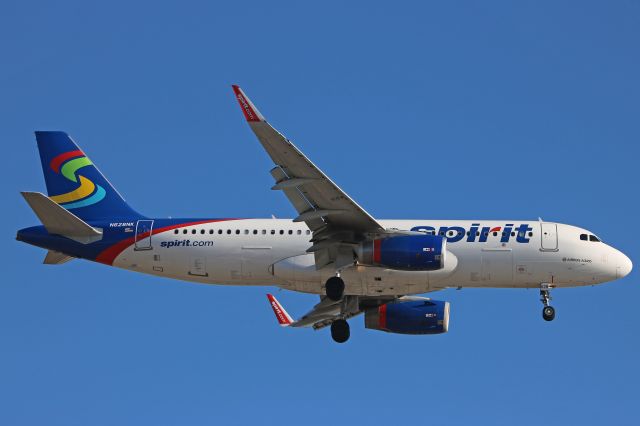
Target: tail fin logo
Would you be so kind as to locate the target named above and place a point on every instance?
(87, 193)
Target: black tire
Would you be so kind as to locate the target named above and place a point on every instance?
(548, 313)
(334, 288)
(340, 331)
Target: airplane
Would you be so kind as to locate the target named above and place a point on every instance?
(356, 263)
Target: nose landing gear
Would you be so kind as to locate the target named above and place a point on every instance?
(548, 312)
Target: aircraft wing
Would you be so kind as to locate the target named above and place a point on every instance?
(327, 311)
(336, 220)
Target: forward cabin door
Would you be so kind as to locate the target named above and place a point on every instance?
(549, 236)
(143, 235)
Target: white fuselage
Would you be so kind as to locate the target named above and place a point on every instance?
(516, 254)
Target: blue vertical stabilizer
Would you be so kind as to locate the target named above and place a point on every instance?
(75, 183)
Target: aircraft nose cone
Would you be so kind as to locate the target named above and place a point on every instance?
(624, 266)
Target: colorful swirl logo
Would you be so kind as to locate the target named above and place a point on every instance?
(87, 193)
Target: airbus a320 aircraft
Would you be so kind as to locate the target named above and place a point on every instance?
(333, 248)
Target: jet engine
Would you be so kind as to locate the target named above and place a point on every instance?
(409, 316)
(405, 252)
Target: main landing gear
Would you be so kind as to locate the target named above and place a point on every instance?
(334, 288)
(340, 330)
(548, 312)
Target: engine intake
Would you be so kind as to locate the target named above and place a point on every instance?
(412, 316)
(406, 252)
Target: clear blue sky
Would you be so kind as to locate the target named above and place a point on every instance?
(418, 110)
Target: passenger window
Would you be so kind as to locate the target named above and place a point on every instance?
(299, 232)
(308, 232)
(264, 232)
(513, 234)
(273, 232)
(281, 231)
(184, 231)
(246, 232)
(594, 238)
(237, 232)
(202, 231)
(210, 231)
(584, 237)
(193, 231)
(255, 232)
(495, 234)
(531, 234)
(228, 231)
(176, 231)
(219, 231)
(290, 232)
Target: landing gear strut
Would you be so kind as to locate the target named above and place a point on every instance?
(548, 312)
(340, 330)
(334, 288)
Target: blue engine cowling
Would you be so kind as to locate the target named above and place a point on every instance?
(411, 316)
(405, 252)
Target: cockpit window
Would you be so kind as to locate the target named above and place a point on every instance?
(584, 237)
(594, 238)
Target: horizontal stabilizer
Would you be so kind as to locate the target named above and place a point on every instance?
(58, 220)
(56, 258)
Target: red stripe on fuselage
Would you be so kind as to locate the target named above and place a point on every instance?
(57, 161)
(108, 255)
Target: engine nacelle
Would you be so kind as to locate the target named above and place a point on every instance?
(422, 316)
(405, 252)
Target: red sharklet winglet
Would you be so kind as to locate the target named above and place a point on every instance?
(282, 316)
(249, 110)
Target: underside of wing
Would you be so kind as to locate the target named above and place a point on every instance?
(421, 315)
(327, 310)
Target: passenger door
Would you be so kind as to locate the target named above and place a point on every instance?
(144, 229)
(549, 236)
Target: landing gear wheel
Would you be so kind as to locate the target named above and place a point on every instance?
(548, 313)
(340, 331)
(334, 288)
